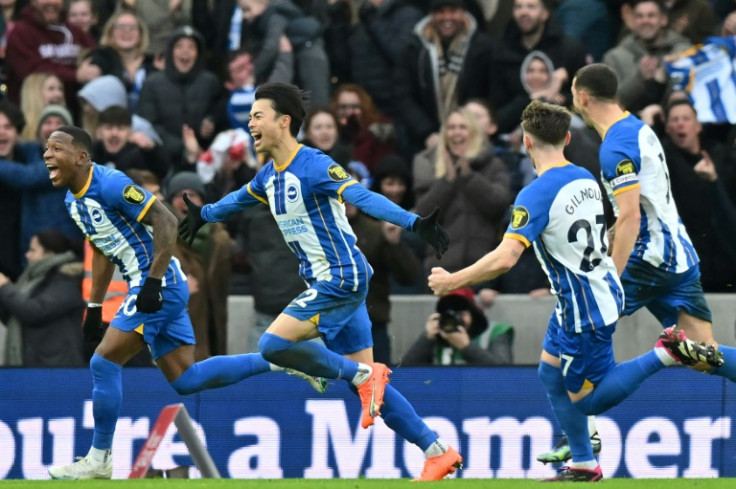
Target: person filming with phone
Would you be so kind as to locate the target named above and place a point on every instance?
(460, 334)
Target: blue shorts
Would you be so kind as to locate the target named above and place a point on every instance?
(585, 357)
(164, 330)
(665, 294)
(340, 315)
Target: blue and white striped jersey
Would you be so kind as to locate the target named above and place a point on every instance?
(108, 210)
(707, 72)
(305, 197)
(631, 156)
(561, 213)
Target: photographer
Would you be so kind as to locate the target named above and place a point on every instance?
(459, 334)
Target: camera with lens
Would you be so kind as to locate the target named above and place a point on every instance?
(450, 320)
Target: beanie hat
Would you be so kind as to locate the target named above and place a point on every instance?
(57, 110)
(186, 180)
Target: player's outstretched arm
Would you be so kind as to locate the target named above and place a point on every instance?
(164, 223)
(627, 227)
(493, 264)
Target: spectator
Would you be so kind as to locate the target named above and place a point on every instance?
(51, 118)
(361, 126)
(42, 41)
(268, 22)
(703, 181)
(533, 28)
(376, 46)
(320, 131)
(105, 92)
(446, 62)
(162, 17)
(23, 168)
(461, 176)
(38, 91)
(589, 22)
(459, 334)
(120, 148)
(694, 19)
(207, 260)
(122, 53)
(43, 308)
(82, 15)
(638, 58)
(184, 94)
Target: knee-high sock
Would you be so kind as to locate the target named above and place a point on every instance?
(400, 416)
(574, 423)
(219, 371)
(107, 397)
(620, 383)
(306, 356)
(729, 367)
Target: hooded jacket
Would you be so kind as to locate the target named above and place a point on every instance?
(169, 99)
(563, 51)
(34, 46)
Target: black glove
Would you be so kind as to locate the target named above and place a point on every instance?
(92, 329)
(431, 232)
(150, 298)
(189, 226)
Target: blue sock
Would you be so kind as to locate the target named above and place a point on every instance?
(306, 356)
(400, 416)
(573, 422)
(219, 371)
(107, 397)
(729, 367)
(620, 382)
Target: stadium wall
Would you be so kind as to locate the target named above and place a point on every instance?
(634, 336)
(680, 424)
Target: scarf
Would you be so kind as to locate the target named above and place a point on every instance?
(26, 284)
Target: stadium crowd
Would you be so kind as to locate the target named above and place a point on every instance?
(419, 100)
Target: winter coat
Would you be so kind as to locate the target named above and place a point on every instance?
(376, 46)
(131, 155)
(170, 99)
(472, 206)
(417, 88)
(634, 91)
(50, 315)
(110, 63)
(34, 46)
(563, 51)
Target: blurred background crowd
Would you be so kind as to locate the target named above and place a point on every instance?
(419, 100)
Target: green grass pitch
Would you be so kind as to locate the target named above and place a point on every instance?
(362, 484)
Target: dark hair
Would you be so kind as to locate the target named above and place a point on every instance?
(486, 104)
(599, 80)
(659, 3)
(676, 103)
(286, 99)
(79, 137)
(315, 111)
(394, 166)
(143, 177)
(14, 114)
(115, 116)
(54, 241)
(545, 122)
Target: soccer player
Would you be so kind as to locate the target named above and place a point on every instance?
(304, 188)
(652, 251)
(561, 212)
(128, 227)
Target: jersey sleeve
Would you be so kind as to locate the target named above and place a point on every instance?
(329, 178)
(123, 195)
(529, 215)
(249, 195)
(620, 167)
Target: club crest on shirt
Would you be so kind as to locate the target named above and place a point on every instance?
(625, 167)
(133, 195)
(337, 173)
(519, 217)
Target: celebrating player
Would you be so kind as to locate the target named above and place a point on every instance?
(304, 189)
(651, 248)
(561, 212)
(130, 228)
